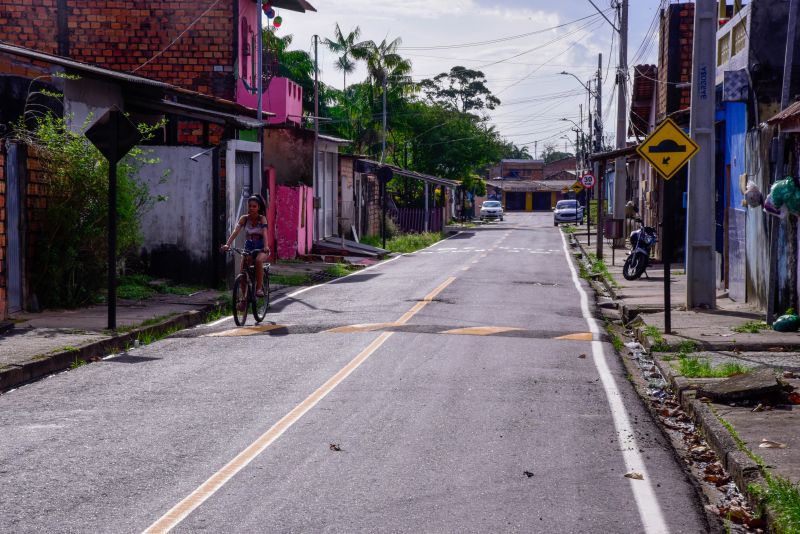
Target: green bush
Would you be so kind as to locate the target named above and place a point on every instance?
(70, 255)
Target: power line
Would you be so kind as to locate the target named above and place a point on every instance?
(189, 27)
(499, 39)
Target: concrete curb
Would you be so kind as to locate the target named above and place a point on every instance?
(17, 375)
(715, 346)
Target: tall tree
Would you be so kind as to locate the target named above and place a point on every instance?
(385, 68)
(343, 45)
(461, 89)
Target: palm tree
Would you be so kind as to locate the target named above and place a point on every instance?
(384, 67)
(343, 45)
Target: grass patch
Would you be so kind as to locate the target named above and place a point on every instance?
(659, 344)
(780, 495)
(405, 243)
(567, 229)
(147, 338)
(223, 309)
(600, 267)
(751, 327)
(616, 341)
(289, 279)
(692, 367)
(77, 363)
(142, 286)
(340, 269)
(784, 498)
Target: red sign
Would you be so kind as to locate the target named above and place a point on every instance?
(588, 181)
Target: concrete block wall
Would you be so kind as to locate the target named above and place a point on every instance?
(125, 34)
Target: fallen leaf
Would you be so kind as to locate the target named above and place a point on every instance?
(634, 475)
(527, 474)
(704, 399)
(794, 398)
(335, 447)
(759, 408)
(789, 374)
(582, 356)
(767, 444)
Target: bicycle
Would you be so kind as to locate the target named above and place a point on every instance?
(244, 289)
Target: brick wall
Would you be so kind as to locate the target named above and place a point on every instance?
(125, 34)
(674, 59)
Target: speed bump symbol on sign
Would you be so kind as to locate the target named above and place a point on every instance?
(668, 149)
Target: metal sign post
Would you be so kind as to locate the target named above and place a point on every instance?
(114, 136)
(588, 182)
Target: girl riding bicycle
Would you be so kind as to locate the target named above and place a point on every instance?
(255, 228)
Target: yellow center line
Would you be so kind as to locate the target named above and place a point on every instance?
(181, 510)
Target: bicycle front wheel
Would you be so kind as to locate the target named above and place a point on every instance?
(261, 304)
(240, 299)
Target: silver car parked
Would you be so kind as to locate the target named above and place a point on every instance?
(492, 209)
(568, 211)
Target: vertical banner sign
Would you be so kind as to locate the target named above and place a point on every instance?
(114, 135)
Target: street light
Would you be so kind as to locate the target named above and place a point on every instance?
(585, 85)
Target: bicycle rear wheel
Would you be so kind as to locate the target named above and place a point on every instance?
(261, 304)
(240, 299)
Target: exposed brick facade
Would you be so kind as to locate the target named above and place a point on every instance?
(124, 35)
(675, 59)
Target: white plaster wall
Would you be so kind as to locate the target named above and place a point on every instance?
(184, 219)
(85, 97)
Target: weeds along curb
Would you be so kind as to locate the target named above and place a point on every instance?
(596, 279)
(742, 469)
(17, 375)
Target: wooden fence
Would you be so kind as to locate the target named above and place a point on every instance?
(412, 220)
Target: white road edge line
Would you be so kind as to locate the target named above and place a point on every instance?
(291, 295)
(646, 501)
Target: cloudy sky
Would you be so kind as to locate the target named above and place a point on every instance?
(523, 46)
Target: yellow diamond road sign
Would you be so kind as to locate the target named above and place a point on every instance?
(668, 149)
(577, 187)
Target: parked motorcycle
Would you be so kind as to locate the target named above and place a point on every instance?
(642, 240)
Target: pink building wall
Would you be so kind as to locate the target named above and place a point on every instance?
(294, 220)
(247, 55)
(284, 98)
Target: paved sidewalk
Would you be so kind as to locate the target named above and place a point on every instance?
(42, 343)
(709, 335)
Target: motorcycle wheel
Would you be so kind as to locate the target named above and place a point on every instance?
(634, 266)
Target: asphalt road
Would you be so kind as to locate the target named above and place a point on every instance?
(428, 394)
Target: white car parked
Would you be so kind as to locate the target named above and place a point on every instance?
(568, 211)
(492, 209)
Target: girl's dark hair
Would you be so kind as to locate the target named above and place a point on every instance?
(257, 199)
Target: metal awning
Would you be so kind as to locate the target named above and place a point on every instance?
(199, 113)
(293, 5)
(370, 166)
(613, 154)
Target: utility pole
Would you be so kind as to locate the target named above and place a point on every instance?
(701, 287)
(598, 147)
(620, 170)
(317, 187)
(260, 81)
(383, 142)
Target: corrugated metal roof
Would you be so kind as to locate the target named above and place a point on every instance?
(373, 166)
(100, 72)
(791, 112)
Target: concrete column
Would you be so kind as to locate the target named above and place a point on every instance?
(700, 231)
